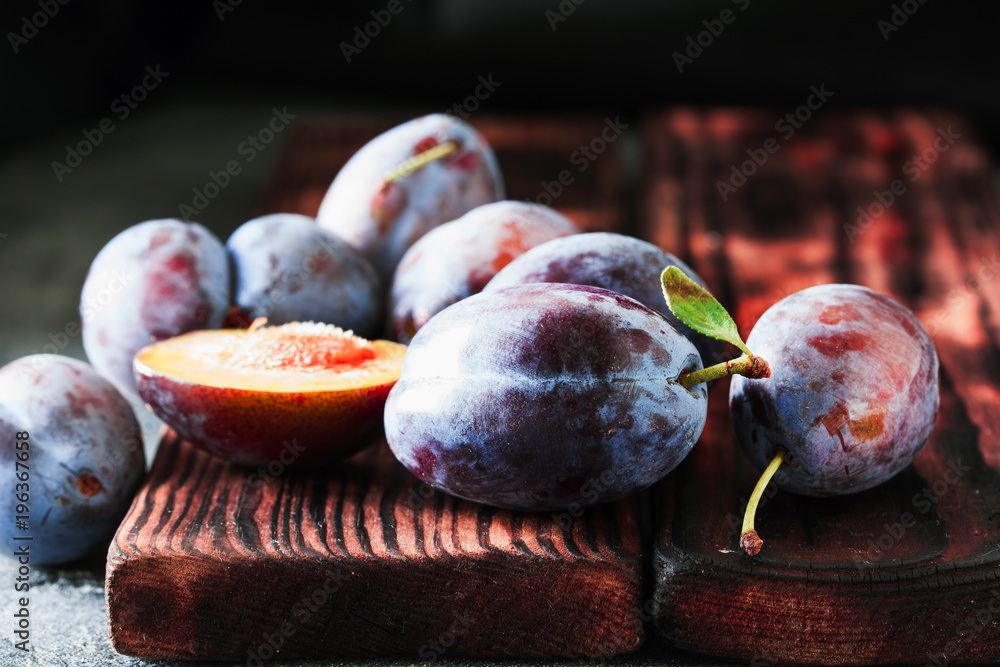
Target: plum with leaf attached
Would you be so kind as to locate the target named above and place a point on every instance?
(852, 399)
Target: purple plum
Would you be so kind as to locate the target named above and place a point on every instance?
(622, 264)
(382, 217)
(457, 259)
(289, 269)
(72, 456)
(853, 392)
(545, 397)
(155, 280)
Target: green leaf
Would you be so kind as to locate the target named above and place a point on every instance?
(696, 307)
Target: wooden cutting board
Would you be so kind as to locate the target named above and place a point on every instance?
(218, 561)
(209, 564)
(905, 572)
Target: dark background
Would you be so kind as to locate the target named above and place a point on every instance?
(608, 55)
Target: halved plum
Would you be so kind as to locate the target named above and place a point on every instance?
(301, 394)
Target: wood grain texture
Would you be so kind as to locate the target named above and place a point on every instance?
(905, 572)
(532, 153)
(218, 561)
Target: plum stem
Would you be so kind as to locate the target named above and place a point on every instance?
(421, 160)
(748, 365)
(749, 540)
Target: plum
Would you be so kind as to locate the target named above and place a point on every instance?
(82, 463)
(154, 280)
(611, 261)
(289, 269)
(545, 397)
(457, 259)
(405, 182)
(853, 395)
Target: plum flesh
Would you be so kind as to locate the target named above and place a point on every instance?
(611, 261)
(85, 456)
(853, 392)
(457, 259)
(542, 396)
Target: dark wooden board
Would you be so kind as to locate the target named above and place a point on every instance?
(210, 563)
(887, 575)
(360, 560)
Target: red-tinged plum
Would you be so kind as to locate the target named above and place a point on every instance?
(457, 259)
(544, 397)
(154, 280)
(852, 397)
(72, 457)
(407, 181)
(288, 269)
(622, 264)
(301, 394)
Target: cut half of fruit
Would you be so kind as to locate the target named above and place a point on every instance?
(291, 396)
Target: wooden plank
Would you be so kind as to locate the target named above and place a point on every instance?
(219, 561)
(840, 581)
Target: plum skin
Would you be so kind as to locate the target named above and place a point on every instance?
(853, 392)
(457, 259)
(86, 456)
(382, 221)
(522, 398)
(154, 280)
(289, 269)
(616, 262)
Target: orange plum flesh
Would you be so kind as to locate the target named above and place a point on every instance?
(292, 396)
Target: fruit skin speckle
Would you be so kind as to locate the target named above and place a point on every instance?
(522, 397)
(383, 222)
(853, 392)
(153, 281)
(457, 259)
(85, 460)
